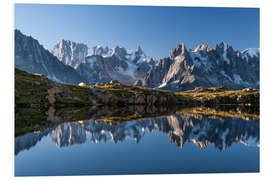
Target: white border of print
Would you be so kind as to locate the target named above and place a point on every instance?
(7, 83)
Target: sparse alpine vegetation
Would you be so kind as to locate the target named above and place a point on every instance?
(35, 90)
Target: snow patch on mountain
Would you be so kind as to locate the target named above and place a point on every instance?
(225, 48)
(129, 71)
(103, 63)
(205, 66)
(200, 61)
(250, 141)
(250, 52)
(163, 85)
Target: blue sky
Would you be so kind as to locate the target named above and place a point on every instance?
(156, 29)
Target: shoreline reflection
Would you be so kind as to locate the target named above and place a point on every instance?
(181, 128)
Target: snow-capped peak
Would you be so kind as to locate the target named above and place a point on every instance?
(201, 47)
(251, 52)
(99, 50)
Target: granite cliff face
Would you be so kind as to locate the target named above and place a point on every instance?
(34, 58)
(184, 69)
(204, 66)
(103, 64)
(70, 53)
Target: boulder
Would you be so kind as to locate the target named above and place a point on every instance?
(114, 82)
(140, 100)
(151, 99)
(163, 100)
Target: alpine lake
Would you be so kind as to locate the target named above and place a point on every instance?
(136, 140)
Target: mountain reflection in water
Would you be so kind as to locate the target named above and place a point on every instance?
(181, 128)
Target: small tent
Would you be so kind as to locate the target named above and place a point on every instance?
(82, 84)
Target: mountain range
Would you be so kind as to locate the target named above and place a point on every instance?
(34, 58)
(204, 66)
(183, 69)
(180, 128)
(103, 64)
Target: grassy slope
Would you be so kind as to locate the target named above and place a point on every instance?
(38, 90)
(34, 89)
(213, 97)
(30, 88)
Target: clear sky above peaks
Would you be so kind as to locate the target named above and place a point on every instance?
(156, 29)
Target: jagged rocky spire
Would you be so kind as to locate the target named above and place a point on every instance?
(205, 67)
(201, 47)
(179, 50)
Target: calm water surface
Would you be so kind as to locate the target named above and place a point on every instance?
(170, 144)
